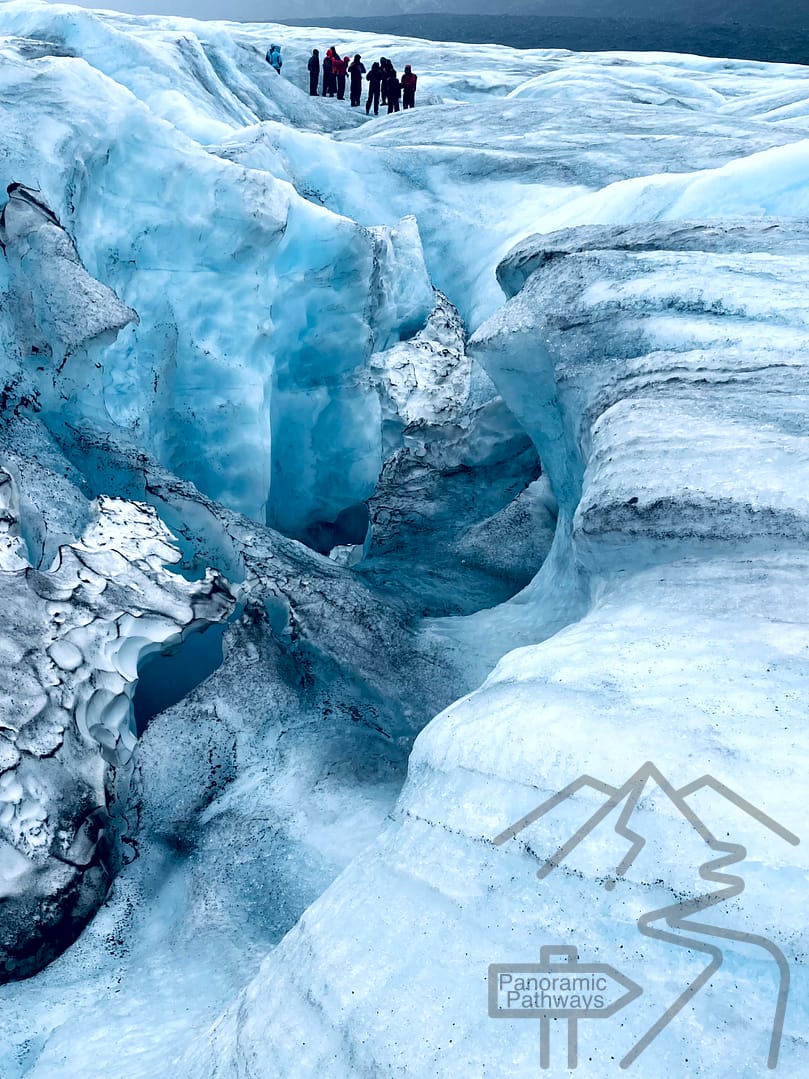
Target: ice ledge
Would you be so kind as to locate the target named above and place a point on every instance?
(52, 292)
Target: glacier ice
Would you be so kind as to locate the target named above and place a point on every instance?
(203, 220)
(524, 371)
(695, 569)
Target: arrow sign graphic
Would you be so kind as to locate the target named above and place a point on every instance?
(558, 988)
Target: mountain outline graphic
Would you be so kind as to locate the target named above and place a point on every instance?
(677, 918)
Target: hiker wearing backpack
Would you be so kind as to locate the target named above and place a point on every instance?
(273, 57)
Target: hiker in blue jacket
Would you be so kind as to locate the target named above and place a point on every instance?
(274, 57)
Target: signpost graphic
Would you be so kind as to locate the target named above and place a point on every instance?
(558, 987)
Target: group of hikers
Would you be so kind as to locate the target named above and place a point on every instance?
(384, 85)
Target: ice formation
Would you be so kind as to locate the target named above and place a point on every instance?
(66, 751)
(476, 437)
(657, 345)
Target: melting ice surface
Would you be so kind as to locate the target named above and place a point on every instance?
(550, 328)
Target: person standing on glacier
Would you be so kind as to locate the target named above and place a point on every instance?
(375, 79)
(328, 76)
(314, 72)
(409, 81)
(273, 57)
(393, 90)
(386, 65)
(339, 67)
(356, 70)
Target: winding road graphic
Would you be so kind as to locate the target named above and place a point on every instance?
(675, 923)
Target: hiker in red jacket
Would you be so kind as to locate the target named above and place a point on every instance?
(409, 81)
(339, 67)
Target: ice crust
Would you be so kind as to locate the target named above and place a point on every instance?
(557, 310)
(67, 737)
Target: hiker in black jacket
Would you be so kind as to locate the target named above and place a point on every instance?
(386, 66)
(329, 81)
(314, 72)
(356, 70)
(374, 78)
(393, 90)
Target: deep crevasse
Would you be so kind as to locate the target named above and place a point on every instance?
(665, 398)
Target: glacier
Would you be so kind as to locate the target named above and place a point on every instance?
(363, 485)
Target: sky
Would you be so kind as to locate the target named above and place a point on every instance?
(770, 13)
(244, 10)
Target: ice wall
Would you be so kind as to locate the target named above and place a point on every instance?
(669, 404)
(245, 373)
